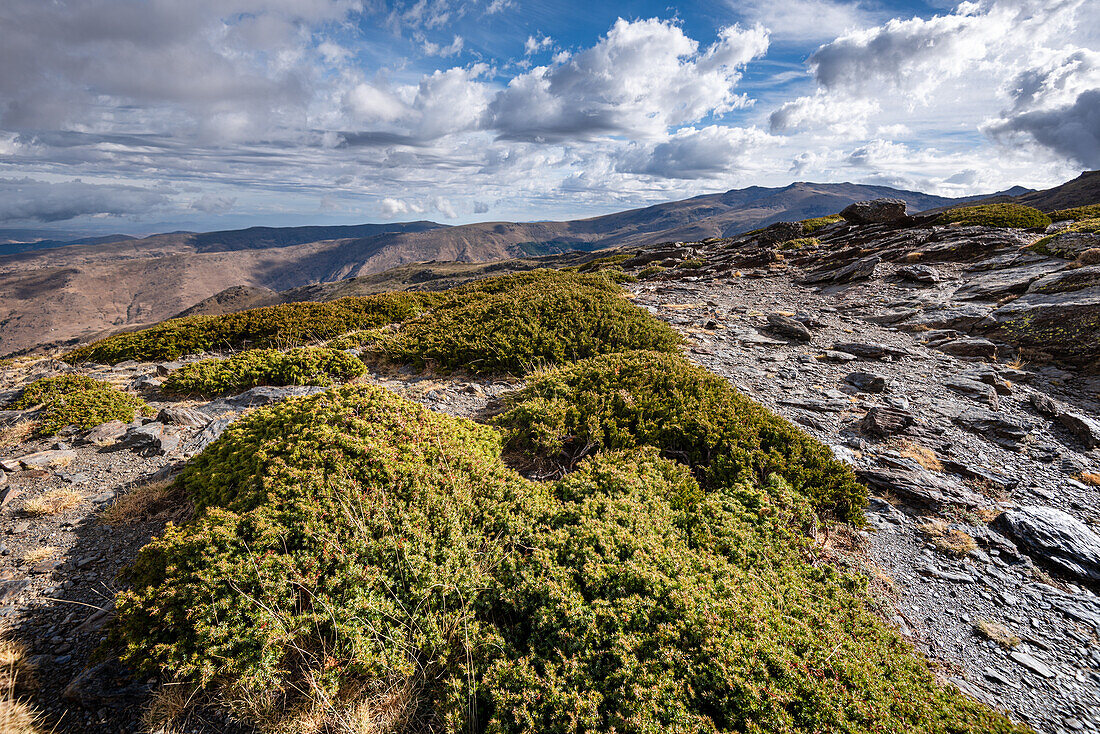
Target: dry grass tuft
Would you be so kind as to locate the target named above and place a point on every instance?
(52, 502)
(40, 554)
(1017, 363)
(997, 632)
(955, 542)
(987, 514)
(923, 455)
(159, 500)
(16, 716)
(17, 433)
(1090, 478)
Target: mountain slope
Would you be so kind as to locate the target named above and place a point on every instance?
(73, 292)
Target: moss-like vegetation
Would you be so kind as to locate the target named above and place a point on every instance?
(301, 366)
(810, 226)
(1092, 211)
(651, 270)
(1049, 245)
(799, 243)
(603, 263)
(515, 322)
(643, 398)
(77, 400)
(691, 263)
(285, 325)
(354, 554)
(996, 215)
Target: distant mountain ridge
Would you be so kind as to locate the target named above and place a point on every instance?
(73, 292)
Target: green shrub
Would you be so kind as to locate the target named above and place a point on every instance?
(285, 325)
(645, 605)
(341, 543)
(301, 366)
(812, 225)
(516, 321)
(1092, 211)
(996, 215)
(356, 554)
(651, 270)
(799, 243)
(602, 263)
(355, 339)
(692, 264)
(1049, 245)
(77, 400)
(622, 401)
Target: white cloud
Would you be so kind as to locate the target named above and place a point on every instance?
(836, 113)
(641, 78)
(534, 45)
(434, 49)
(1072, 130)
(692, 154)
(806, 20)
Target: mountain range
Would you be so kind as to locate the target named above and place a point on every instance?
(58, 294)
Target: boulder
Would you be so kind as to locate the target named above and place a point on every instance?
(974, 389)
(861, 269)
(47, 459)
(1056, 537)
(1044, 405)
(921, 274)
(1086, 429)
(788, 327)
(152, 439)
(877, 211)
(184, 417)
(911, 481)
(265, 395)
(780, 232)
(1066, 281)
(976, 348)
(882, 422)
(106, 434)
(210, 433)
(1009, 281)
(997, 428)
(866, 350)
(1063, 325)
(866, 382)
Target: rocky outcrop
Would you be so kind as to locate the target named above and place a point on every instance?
(1056, 537)
(877, 211)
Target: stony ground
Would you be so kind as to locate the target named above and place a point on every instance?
(959, 438)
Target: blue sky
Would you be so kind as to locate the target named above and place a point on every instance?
(146, 115)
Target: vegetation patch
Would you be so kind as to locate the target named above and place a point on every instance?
(799, 243)
(812, 225)
(1092, 211)
(623, 401)
(52, 502)
(602, 263)
(356, 557)
(997, 632)
(651, 270)
(301, 366)
(78, 400)
(691, 264)
(1049, 245)
(995, 215)
(282, 326)
(516, 322)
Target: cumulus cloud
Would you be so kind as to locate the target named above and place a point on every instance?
(454, 48)
(838, 114)
(534, 45)
(30, 200)
(641, 78)
(806, 20)
(692, 153)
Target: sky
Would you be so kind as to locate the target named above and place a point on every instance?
(151, 115)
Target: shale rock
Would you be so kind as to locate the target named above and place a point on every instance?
(1056, 537)
(877, 211)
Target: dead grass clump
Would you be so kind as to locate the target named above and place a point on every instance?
(997, 632)
(923, 455)
(40, 554)
(1090, 478)
(16, 433)
(955, 542)
(158, 500)
(16, 716)
(52, 502)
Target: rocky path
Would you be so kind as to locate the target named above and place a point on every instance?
(947, 444)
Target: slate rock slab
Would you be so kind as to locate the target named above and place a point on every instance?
(265, 395)
(1056, 537)
(876, 211)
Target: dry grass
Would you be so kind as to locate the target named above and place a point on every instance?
(17, 433)
(159, 500)
(16, 716)
(955, 542)
(997, 632)
(40, 554)
(52, 502)
(1090, 478)
(923, 455)
(987, 514)
(913, 257)
(1017, 363)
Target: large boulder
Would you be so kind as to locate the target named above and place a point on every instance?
(1067, 281)
(1064, 325)
(1056, 537)
(878, 211)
